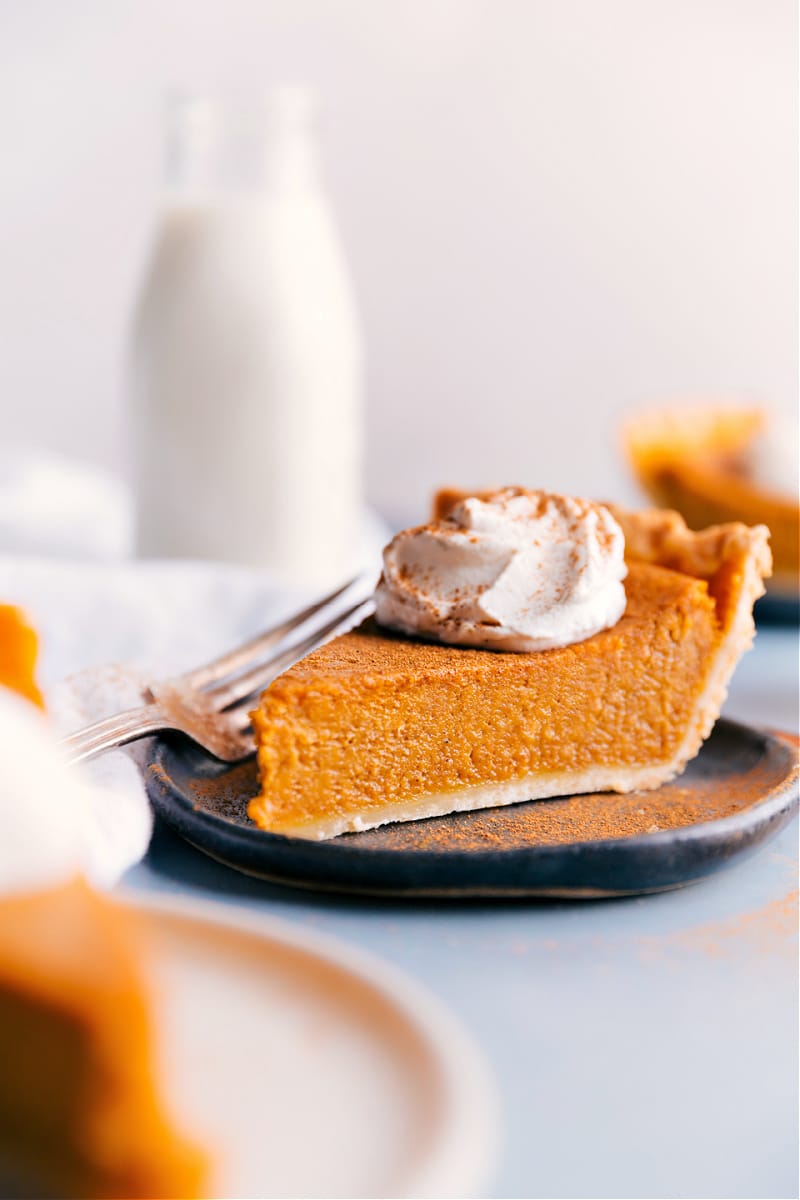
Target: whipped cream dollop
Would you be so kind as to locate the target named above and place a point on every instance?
(59, 819)
(521, 570)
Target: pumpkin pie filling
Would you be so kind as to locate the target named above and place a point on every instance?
(377, 726)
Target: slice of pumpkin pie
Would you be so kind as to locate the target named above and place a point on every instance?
(525, 645)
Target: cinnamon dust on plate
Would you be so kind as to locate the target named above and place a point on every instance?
(593, 817)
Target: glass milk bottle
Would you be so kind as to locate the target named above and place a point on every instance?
(247, 367)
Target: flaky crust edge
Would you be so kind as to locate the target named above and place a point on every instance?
(735, 560)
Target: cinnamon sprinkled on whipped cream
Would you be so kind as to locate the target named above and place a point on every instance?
(519, 570)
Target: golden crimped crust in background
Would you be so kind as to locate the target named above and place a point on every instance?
(695, 460)
(666, 434)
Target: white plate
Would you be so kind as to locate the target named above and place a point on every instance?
(309, 1068)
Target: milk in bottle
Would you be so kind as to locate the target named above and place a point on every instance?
(247, 366)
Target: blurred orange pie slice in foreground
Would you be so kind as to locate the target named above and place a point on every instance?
(81, 1113)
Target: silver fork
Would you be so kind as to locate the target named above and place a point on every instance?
(210, 704)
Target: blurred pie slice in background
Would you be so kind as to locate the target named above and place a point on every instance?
(717, 463)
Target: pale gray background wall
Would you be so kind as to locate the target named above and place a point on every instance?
(553, 209)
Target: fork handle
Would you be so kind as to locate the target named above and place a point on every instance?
(114, 731)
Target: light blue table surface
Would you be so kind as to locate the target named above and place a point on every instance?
(644, 1047)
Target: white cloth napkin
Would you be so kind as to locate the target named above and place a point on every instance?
(105, 628)
(53, 505)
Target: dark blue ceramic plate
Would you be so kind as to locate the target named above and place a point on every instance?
(738, 792)
(777, 609)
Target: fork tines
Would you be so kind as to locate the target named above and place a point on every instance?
(249, 667)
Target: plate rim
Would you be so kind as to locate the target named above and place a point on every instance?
(459, 1160)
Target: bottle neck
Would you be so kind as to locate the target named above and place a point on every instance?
(242, 146)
